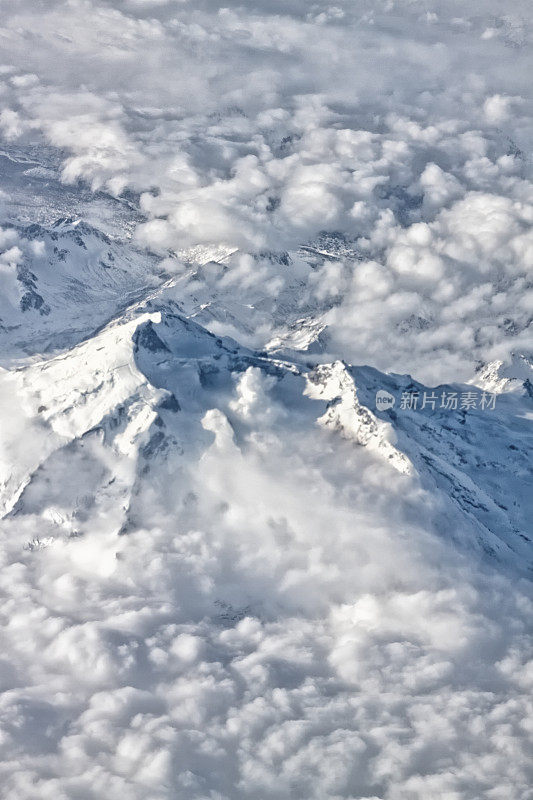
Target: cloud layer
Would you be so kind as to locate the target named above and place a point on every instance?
(401, 126)
(282, 621)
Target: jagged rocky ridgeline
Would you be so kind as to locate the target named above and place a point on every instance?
(124, 413)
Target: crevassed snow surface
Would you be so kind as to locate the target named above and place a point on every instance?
(226, 572)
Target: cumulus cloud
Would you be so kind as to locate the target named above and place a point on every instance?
(273, 638)
(449, 287)
(245, 128)
(350, 181)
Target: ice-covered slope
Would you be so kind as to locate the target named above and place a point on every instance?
(477, 457)
(140, 387)
(64, 281)
(68, 263)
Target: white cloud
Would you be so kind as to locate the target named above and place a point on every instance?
(282, 619)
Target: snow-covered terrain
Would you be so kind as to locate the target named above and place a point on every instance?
(266, 400)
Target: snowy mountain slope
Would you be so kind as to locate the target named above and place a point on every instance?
(68, 260)
(274, 307)
(68, 274)
(115, 384)
(66, 281)
(34, 192)
(265, 400)
(143, 386)
(479, 459)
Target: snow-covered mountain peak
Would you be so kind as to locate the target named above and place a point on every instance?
(266, 400)
(347, 415)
